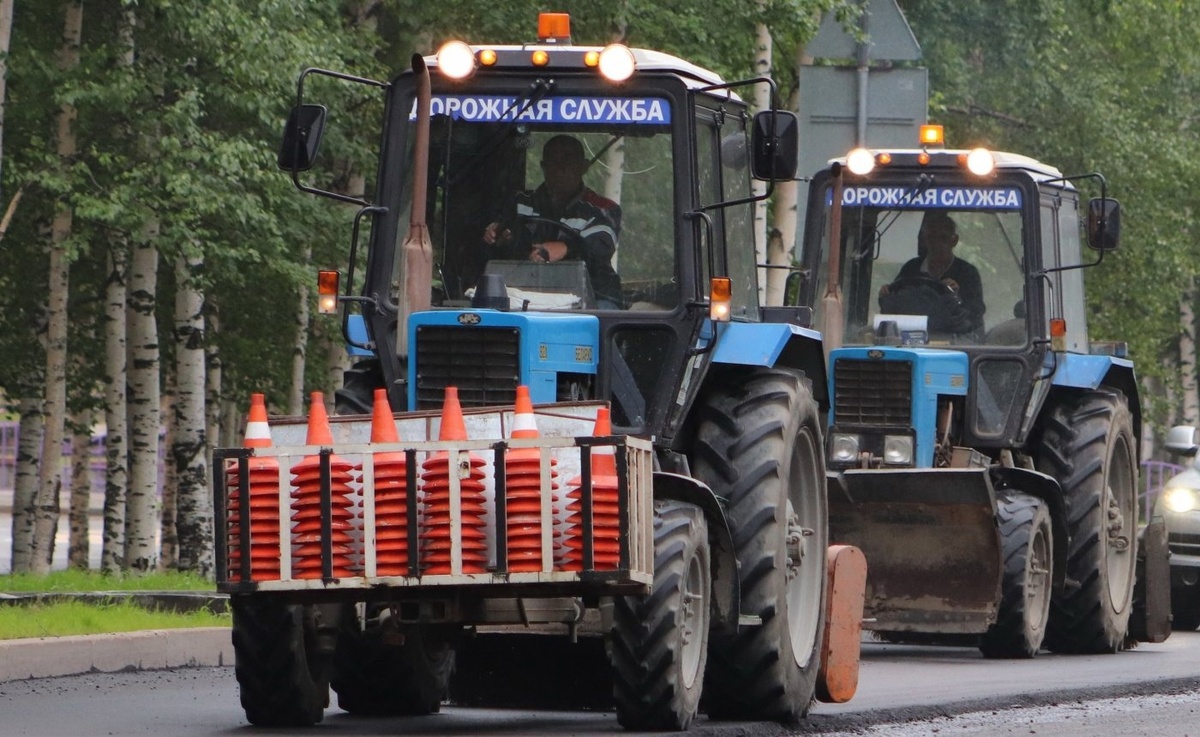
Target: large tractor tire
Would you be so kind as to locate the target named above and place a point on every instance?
(382, 671)
(1089, 447)
(1028, 546)
(758, 446)
(282, 671)
(659, 642)
(359, 382)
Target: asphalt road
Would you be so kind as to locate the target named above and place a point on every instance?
(903, 690)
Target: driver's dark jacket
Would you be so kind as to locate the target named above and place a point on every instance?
(597, 219)
(970, 286)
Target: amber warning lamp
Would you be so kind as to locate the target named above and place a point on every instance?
(554, 28)
(720, 298)
(327, 292)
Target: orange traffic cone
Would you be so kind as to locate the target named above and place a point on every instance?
(435, 489)
(306, 504)
(391, 493)
(606, 519)
(264, 502)
(523, 492)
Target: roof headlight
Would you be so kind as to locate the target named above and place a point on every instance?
(456, 60)
(617, 63)
(980, 162)
(860, 161)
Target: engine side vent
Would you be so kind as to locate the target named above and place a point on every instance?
(484, 363)
(872, 393)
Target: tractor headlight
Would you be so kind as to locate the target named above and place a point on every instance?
(1180, 499)
(897, 450)
(843, 447)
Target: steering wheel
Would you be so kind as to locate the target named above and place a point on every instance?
(571, 234)
(920, 282)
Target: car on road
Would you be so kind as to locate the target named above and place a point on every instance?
(1179, 505)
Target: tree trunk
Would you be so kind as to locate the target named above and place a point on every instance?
(6, 21)
(168, 549)
(116, 418)
(78, 543)
(762, 101)
(141, 508)
(295, 404)
(50, 477)
(189, 449)
(25, 482)
(1187, 354)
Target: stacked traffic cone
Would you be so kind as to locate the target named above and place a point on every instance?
(606, 517)
(306, 504)
(522, 491)
(264, 502)
(391, 493)
(435, 489)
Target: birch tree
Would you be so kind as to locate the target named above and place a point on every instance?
(79, 514)
(194, 515)
(50, 477)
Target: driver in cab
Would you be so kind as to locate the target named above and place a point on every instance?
(564, 219)
(936, 261)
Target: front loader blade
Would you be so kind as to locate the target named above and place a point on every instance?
(931, 542)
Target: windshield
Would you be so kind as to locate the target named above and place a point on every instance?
(568, 198)
(937, 266)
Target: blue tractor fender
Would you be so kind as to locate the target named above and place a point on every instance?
(1079, 371)
(774, 344)
(725, 586)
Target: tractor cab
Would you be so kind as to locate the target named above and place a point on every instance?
(580, 204)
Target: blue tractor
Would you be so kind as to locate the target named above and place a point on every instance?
(981, 450)
(640, 295)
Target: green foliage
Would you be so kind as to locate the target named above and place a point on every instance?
(79, 581)
(78, 618)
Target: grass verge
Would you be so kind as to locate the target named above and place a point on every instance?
(97, 616)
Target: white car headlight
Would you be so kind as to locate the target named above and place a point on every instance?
(898, 450)
(843, 447)
(1179, 499)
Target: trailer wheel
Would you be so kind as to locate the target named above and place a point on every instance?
(658, 642)
(759, 446)
(1088, 445)
(1025, 592)
(1185, 608)
(359, 382)
(381, 671)
(281, 670)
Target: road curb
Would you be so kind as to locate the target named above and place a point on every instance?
(49, 657)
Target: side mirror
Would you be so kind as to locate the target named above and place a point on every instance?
(1104, 224)
(302, 137)
(775, 141)
(1181, 440)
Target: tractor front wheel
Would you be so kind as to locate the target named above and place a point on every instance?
(1025, 592)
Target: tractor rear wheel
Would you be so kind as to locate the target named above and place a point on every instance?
(758, 445)
(1089, 446)
(359, 382)
(658, 642)
(1025, 592)
(384, 671)
(281, 666)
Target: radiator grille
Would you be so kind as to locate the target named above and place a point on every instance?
(872, 393)
(484, 363)
(1183, 544)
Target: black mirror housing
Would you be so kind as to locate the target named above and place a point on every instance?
(302, 137)
(1104, 224)
(775, 144)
